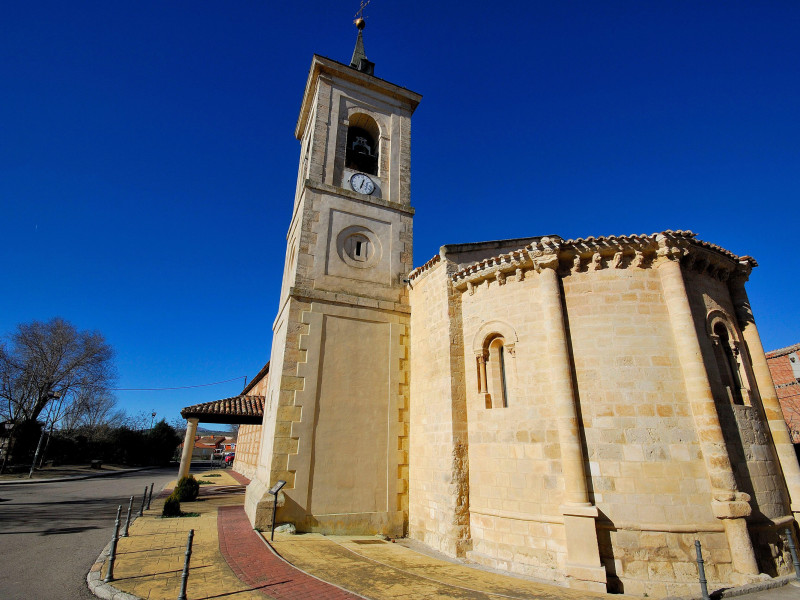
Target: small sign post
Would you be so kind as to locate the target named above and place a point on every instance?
(274, 491)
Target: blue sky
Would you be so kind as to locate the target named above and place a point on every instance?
(148, 164)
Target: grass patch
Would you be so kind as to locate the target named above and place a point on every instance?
(183, 514)
(212, 475)
(204, 482)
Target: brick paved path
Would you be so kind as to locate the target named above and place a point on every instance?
(254, 564)
(238, 477)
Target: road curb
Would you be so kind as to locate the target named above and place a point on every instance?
(74, 477)
(98, 587)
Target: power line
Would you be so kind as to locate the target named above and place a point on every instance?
(182, 387)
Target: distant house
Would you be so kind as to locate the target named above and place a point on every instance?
(784, 366)
(207, 445)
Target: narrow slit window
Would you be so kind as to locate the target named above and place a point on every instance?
(503, 376)
(496, 374)
(728, 365)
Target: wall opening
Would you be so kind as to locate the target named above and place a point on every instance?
(362, 151)
(728, 364)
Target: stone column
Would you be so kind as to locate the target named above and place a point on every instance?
(188, 447)
(728, 503)
(584, 568)
(766, 387)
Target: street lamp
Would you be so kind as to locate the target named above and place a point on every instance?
(152, 419)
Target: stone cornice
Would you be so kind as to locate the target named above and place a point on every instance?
(348, 299)
(427, 266)
(321, 64)
(607, 252)
(345, 193)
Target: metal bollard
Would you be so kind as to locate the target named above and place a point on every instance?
(793, 550)
(150, 497)
(185, 574)
(127, 519)
(702, 570)
(112, 555)
(141, 508)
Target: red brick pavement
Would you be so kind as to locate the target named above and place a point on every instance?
(239, 477)
(254, 563)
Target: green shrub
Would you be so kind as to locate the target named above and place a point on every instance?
(187, 489)
(172, 506)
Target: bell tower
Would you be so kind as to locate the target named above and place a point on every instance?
(336, 413)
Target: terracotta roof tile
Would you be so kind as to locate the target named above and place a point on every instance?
(227, 410)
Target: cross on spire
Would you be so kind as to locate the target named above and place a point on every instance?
(360, 14)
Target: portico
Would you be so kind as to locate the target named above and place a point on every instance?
(238, 410)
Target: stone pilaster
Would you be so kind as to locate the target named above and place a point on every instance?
(188, 447)
(728, 504)
(766, 387)
(584, 569)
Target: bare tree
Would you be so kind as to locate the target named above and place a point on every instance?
(52, 368)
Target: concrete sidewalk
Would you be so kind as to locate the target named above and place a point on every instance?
(231, 560)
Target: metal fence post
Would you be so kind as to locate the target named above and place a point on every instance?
(127, 519)
(701, 568)
(185, 574)
(141, 508)
(150, 497)
(793, 550)
(112, 555)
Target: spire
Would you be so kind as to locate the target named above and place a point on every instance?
(358, 54)
(359, 60)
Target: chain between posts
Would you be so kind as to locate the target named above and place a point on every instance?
(112, 555)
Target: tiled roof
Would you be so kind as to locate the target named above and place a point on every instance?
(236, 410)
(782, 351)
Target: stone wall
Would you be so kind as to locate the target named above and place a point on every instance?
(641, 394)
(645, 465)
(516, 481)
(747, 436)
(248, 442)
(438, 474)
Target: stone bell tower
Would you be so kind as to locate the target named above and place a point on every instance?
(336, 413)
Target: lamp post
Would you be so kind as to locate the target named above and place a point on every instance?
(152, 419)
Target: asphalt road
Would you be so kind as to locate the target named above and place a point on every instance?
(51, 533)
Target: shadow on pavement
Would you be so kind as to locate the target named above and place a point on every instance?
(250, 589)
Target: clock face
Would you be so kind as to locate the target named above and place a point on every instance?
(362, 184)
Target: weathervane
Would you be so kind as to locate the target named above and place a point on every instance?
(360, 18)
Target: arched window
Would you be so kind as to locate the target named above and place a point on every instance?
(494, 346)
(727, 364)
(363, 136)
(497, 380)
(730, 363)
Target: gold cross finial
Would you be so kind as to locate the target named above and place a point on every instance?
(359, 21)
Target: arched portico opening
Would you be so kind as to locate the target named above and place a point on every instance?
(238, 410)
